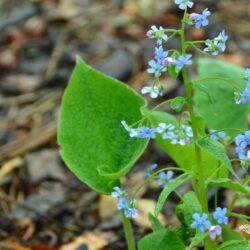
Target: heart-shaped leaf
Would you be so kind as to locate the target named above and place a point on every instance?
(94, 144)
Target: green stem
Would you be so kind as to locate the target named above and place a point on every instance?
(202, 193)
(128, 232)
(202, 190)
(145, 182)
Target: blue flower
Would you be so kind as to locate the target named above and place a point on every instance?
(131, 212)
(156, 68)
(183, 4)
(167, 131)
(118, 192)
(200, 19)
(150, 170)
(141, 132)
(220, 41)
(122, 203)
(160, 54)
(242, 142)
(217, 135)
(243, 97)
(154, 91)
(217, 45)
(165, 178)
(145, 132)
(215, 231)
(220, 215)
(201, 222)
(133, 132)
(182, 61)
(158, 33)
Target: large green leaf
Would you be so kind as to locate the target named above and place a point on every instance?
(222, 112)
(161, 240)
(94, 144)
(184, 156)
(170, 188)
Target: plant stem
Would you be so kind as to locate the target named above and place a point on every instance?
(128, 231)
(201, 192)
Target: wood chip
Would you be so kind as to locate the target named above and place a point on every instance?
(147, 206)
(93, 242)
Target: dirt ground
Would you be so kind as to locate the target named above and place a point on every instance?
(42, 204)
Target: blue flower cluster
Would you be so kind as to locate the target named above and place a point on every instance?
(181, 135)
(154, 91)
(242, 142)
(183, 4)
(217, 45)
(246, 93)
(158, 33)
(163, 60)
(130, 207)
(202, 223)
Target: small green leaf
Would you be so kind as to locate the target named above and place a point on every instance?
(198, 238)
(234, 245)
(155, 223)
(169, 188)
(227, 183)
(93, 142)
(217, 150)
(177, 103)
(223, 112)
(186, 209)
(161, 240)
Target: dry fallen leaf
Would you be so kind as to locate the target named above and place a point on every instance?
(147, 206)
(107, 206)
(93, 242)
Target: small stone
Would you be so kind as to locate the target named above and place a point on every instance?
(38, 206)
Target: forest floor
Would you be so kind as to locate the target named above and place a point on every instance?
(43, 206)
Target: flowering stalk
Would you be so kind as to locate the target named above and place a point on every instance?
(201, 192)
(128, 231)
